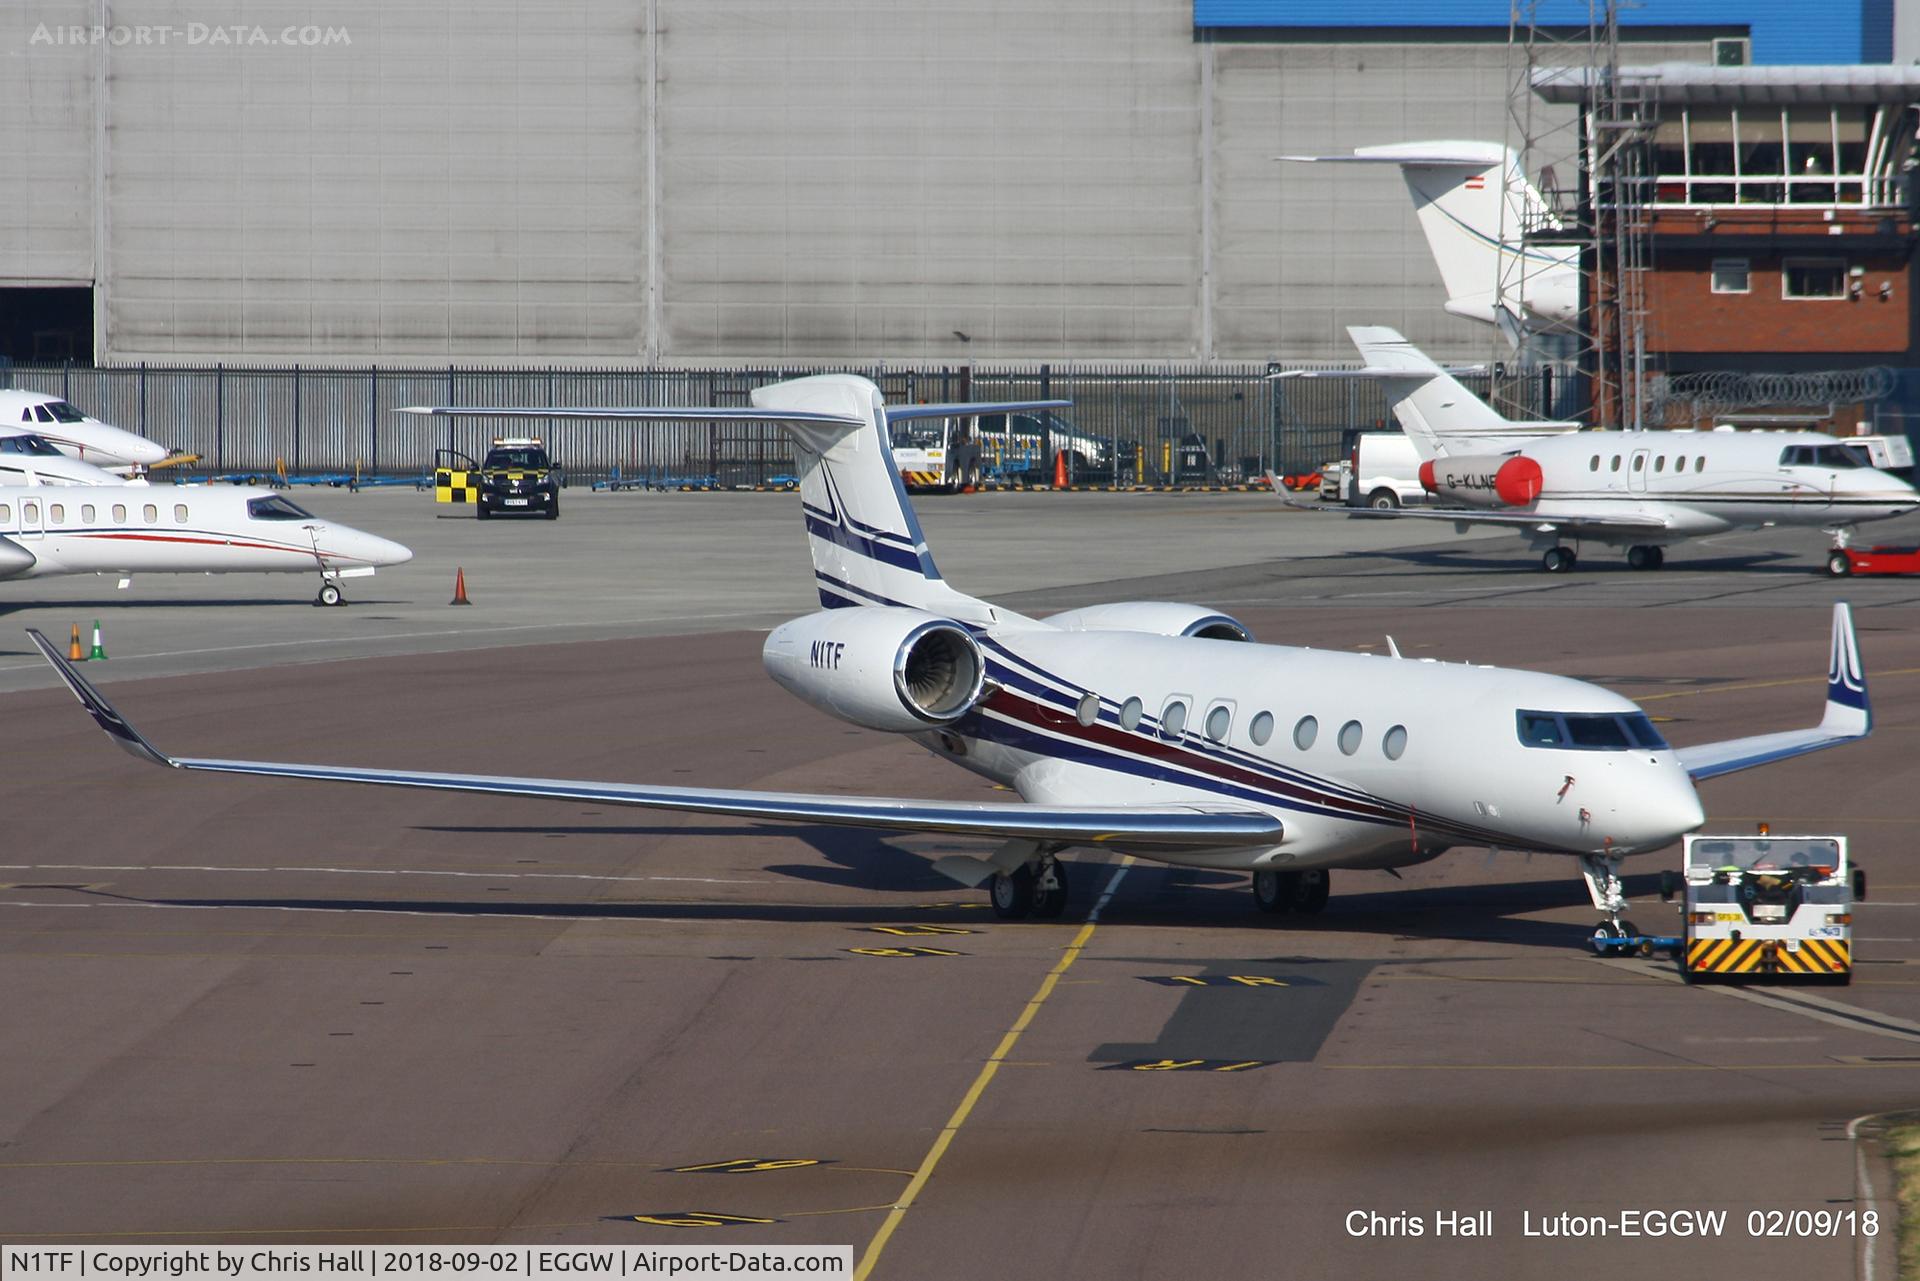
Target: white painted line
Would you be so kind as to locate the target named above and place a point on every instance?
(377, 871)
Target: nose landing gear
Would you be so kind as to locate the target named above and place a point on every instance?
(1602, 873)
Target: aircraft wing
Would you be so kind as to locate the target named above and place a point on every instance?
(1849, 716)
(1545, 522)
(1142, 827)
(731, 413)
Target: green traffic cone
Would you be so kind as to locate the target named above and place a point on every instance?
(99, 650)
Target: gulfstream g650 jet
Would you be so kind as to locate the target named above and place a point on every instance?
(1156, 729)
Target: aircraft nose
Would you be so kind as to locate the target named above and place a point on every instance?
(1667, 809)
(362, 548)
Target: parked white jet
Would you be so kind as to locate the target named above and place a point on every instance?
(1475, 206)
(27, 458)
(76, 434)
(129, 529)
(1558, 486)
(1152, 728)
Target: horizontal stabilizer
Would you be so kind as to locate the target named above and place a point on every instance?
(967, 409)
(1849, 715)
(1145, 828)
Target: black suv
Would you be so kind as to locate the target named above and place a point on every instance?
(518, 479)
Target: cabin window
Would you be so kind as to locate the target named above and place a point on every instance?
(150, 513)
(57, 513)
(1130, 713)
(1089, 709)
(30, 511)
(1680, 463)
(6, 513)
(1305, 732)
(1173, 719)
(1349, 739)
(1731, 276)
(1660, 463)
(86, 513)
(1616, 462)
(1219, 721)
(1395, 743)
(1260, 729)
(1700, 463)
(1639, 462)
(179, 513)
(119, 513)
(1595, 464)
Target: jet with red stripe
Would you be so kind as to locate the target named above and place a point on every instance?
(136, 528)
(1149, 728)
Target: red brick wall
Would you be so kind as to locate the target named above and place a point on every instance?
(1684, 314)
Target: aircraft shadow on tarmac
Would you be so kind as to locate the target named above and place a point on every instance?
(1491, 913)
(1600, 560)
(104, 604)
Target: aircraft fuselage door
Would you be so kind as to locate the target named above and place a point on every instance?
(1637, 470)
(32, 518)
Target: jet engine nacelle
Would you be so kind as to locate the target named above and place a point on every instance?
(883, 667)
(1496, 480)
(1155, 617)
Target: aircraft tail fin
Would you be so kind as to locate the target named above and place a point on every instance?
(1430, 403)
(866, 542)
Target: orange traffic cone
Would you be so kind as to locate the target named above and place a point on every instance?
(459, 588)
(1060, 470)
(74, 653)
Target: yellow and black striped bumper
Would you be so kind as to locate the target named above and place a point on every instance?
(921, 479)
(1768, 956)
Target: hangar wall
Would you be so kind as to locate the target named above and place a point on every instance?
(702, 181)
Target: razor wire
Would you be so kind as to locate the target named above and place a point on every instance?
(1726, 391)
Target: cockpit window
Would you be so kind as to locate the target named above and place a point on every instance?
(64, 413)
(276, 508)
(30, 445)
(1590, 731)
(1838, 457)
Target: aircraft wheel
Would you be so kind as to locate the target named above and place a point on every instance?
(1383, 499)
(1012, 894)
(1646, 556)
(1558, 560)
(1839, 564)
(329, 595)
(1310, 890)
(1272, 891)
(1607, 938)
(1050, 901)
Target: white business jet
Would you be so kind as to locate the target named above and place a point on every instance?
(1559, 487)
(1475, 206)
(77, 435)
(1152, 728)
(128, 529)
(27, 458)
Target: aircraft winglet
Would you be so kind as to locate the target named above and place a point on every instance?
(129, 739)
(1848, 717)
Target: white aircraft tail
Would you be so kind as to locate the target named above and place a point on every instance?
(866, 542)
(1433, 408)
(1475, 206)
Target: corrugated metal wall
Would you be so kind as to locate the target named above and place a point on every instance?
(601, 181)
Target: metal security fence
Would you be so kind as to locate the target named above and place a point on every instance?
(1220, 424)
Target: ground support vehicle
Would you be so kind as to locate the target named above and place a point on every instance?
(1767, 905)
(1842, 561)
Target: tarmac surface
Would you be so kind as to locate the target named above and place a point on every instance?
(247, 1010)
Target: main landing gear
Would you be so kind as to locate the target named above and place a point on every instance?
(1602, 873)
(1037, 888)
(1646, 556)
(1559, 560)
(1305, 892)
